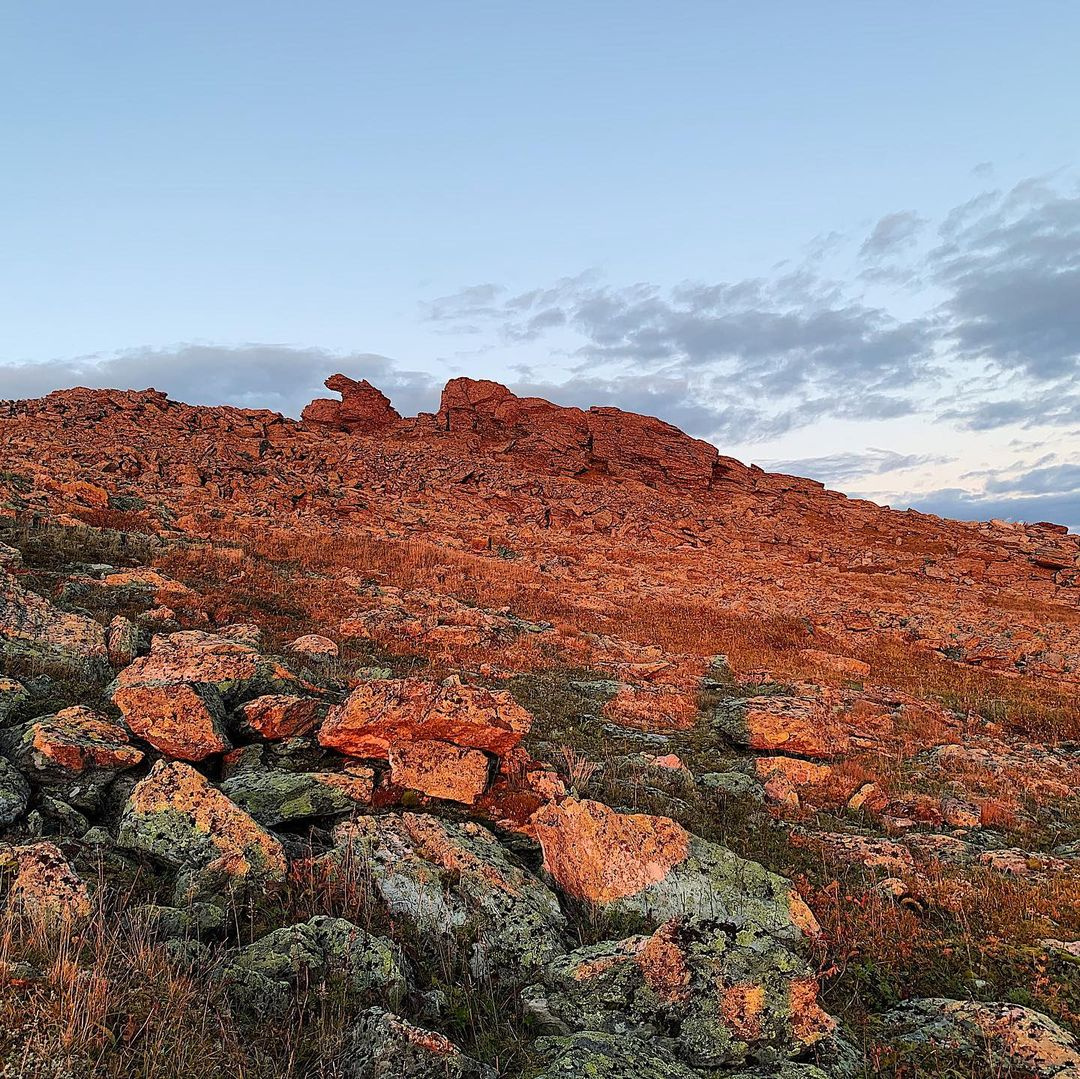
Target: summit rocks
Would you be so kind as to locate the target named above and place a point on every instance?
(362, 409)
(602, 442)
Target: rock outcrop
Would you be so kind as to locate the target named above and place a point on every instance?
(652, 868)
(362, 410)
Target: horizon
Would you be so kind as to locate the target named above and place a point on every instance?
(406, 416)
(719, 217)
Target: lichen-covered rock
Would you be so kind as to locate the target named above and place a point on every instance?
(290, 755)
(273, 797)
(234, 669)
(446, 878)
(186, 722)
(12, 696)
(598, 1055)
(191, 922)
(997, 1035)
(14, 793)
(732, 785)
(177, 816)
(314, 647)
(321, 953)
(378, 714)
(77, 751)
(440, 770)
(122, 640)
(801, 726)
(381, 1045)
(654, 869)
(279, 715)
(44, 885)
(31, 625)
(722, 996)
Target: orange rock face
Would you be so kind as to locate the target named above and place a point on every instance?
(178, 816)
(792, 725)
(380, 713)
(440, 770)
(45, 886)
(362, 409)
(186, 722)
(77, 738)
(198, 658)
(278, 715)
(599, 855)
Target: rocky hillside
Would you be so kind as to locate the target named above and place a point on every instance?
(518, 740)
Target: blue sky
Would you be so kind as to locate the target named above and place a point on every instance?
(744, 218)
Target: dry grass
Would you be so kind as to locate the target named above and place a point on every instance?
(968, 932)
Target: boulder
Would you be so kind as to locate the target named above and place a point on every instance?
(314, 647)
(992, 1036)
(191, 922)
(541, 436)
(600, 1055)
(186, 722)
(652, 868)
(14, 793)
(177, 816)
(799, 726)
(362, 410)
(720, 996)
(448, 878)
(76, 750)
(43, 884)
(31, 626)
(231, 667)
(275, 797)
(320, 954)
(279, 715)
(122, 640)
(380, 1045)
(378, 714)
(440, 770)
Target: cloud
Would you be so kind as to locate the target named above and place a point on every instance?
(792, 340)
(1038, 492)
(1010, 264)
(1061, 479)
(964, 505)
(1058, 406)
(841, 467)
(892, 233)
(277, 377)
(695, 409)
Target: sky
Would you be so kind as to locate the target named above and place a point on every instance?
(836, 239)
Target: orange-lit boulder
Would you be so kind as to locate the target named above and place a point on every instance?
(44, 885)
(184, 721)
(233, 668)
(440, 770)
(379, 713)
(362, 410)
(651, 867)
(279, 715)
(76, 749)
(314, 646)
(800, 726)
(176, 815)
